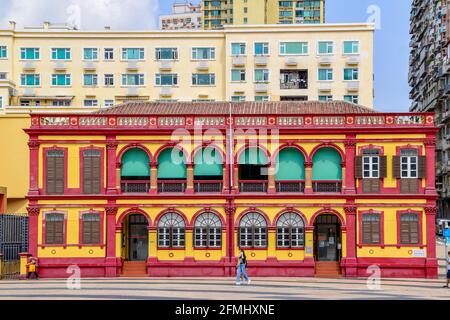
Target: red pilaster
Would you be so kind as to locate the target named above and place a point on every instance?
(308, 177)
(430, 153)
(350, 260)
(432, 264)
(230, 210)
(33, 218)
(111, 261)
(111, 146)
(33, 145)
(350, 147)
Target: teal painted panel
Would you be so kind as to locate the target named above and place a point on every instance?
(208, 162)
(135, 163)
(171, 166)
(327, 165)
(290, 165)
(253, 156)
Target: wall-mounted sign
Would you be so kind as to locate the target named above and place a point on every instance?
(419, 253)
(309, 250)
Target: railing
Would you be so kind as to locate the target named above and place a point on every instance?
(206, 186)
(327, 186)
(253, 186)
(293, 85)
(290, 186)
(171, 186)
(135, 186)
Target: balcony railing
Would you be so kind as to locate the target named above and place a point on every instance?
(327, 186)
(207, 186)
(135, 186)
(290, 186)
(294, 85)
(253, 186)
(171, 186)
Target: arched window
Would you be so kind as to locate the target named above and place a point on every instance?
(290, 231)
(135, 171)
(327, 171)
(253, 170)
(208, 170)
(290, 171)
(171, 231)
(172, 171)
(253, 231)
(208, 231)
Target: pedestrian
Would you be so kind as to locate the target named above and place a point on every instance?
(32, 269)
(241, 269)
(448, 270)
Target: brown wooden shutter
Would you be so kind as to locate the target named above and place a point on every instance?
(95, 232)
(358, 167)
(59, 175)
(91, 172)
(50, 175)
(404, 232)
(383, 166)
(366, 231)
(59, 232)
(371, 185)
(49, 232)
(87, 174)
(422, 173)
(96, 174)
(414, 232)
(376, 231)
(396, 167)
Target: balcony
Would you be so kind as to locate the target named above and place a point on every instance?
(29, 66)
(208, 186)
(90, 66)
(239, 61)
(203, 66)
(166, 65)
(327, 186)
(290, 186)
(261, 87)
(291, 62)
(261, 60)
(60, 66)
(171, 186)
(294, 79)
(135, 186)
(253, 186)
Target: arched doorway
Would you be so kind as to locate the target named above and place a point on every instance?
(327, 238)
(135, 237)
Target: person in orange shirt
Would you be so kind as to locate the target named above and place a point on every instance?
(32, 269)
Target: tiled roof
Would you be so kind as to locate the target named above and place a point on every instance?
(237, 108)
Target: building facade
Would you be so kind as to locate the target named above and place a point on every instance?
(220, 13)
(180, 188)
(429, 78)
(184, 16)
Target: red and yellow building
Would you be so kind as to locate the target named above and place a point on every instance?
(305, 188)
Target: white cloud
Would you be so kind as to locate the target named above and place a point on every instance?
(87, 14)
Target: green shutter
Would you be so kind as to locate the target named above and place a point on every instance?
(253, 156)
(208, 162)
(168, 169)
(290, 165)
(135, 163)
(327, 165)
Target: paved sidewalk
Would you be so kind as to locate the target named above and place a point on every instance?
(224, 288)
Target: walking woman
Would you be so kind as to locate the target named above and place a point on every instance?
(241, 269)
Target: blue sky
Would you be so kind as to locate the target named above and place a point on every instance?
(391, 45)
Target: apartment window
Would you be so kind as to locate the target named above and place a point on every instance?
(30, 80)
(261, 48)
(166, 79)
(29, 54)
(109, 103)
(25, 103)
(90, 54)
(54, 228)
(91, 103)
(293, 48)
(3, 52)
(55, 172)
(61, 54)
(108, 54)
(1, 102)
(325, 98)
(109, 80)
(350, 98)
(203, 79)
(133, 79)
(261, 75)
(3, 75)
(351, 74)
(409, 163)
(90, 80)
(91, 228)
(245, 10)
(409, 228)
(92, 167)
(133, 54)
(325, 74)
(203, 53)
(371, 229)
(166, 54)
(325, 47)
(351, 47)
(60, 103)
(371, 164)
(238, 99)
(261, 98)
(61, 80)
(245, 20)
(237, 75)
(238, 49)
